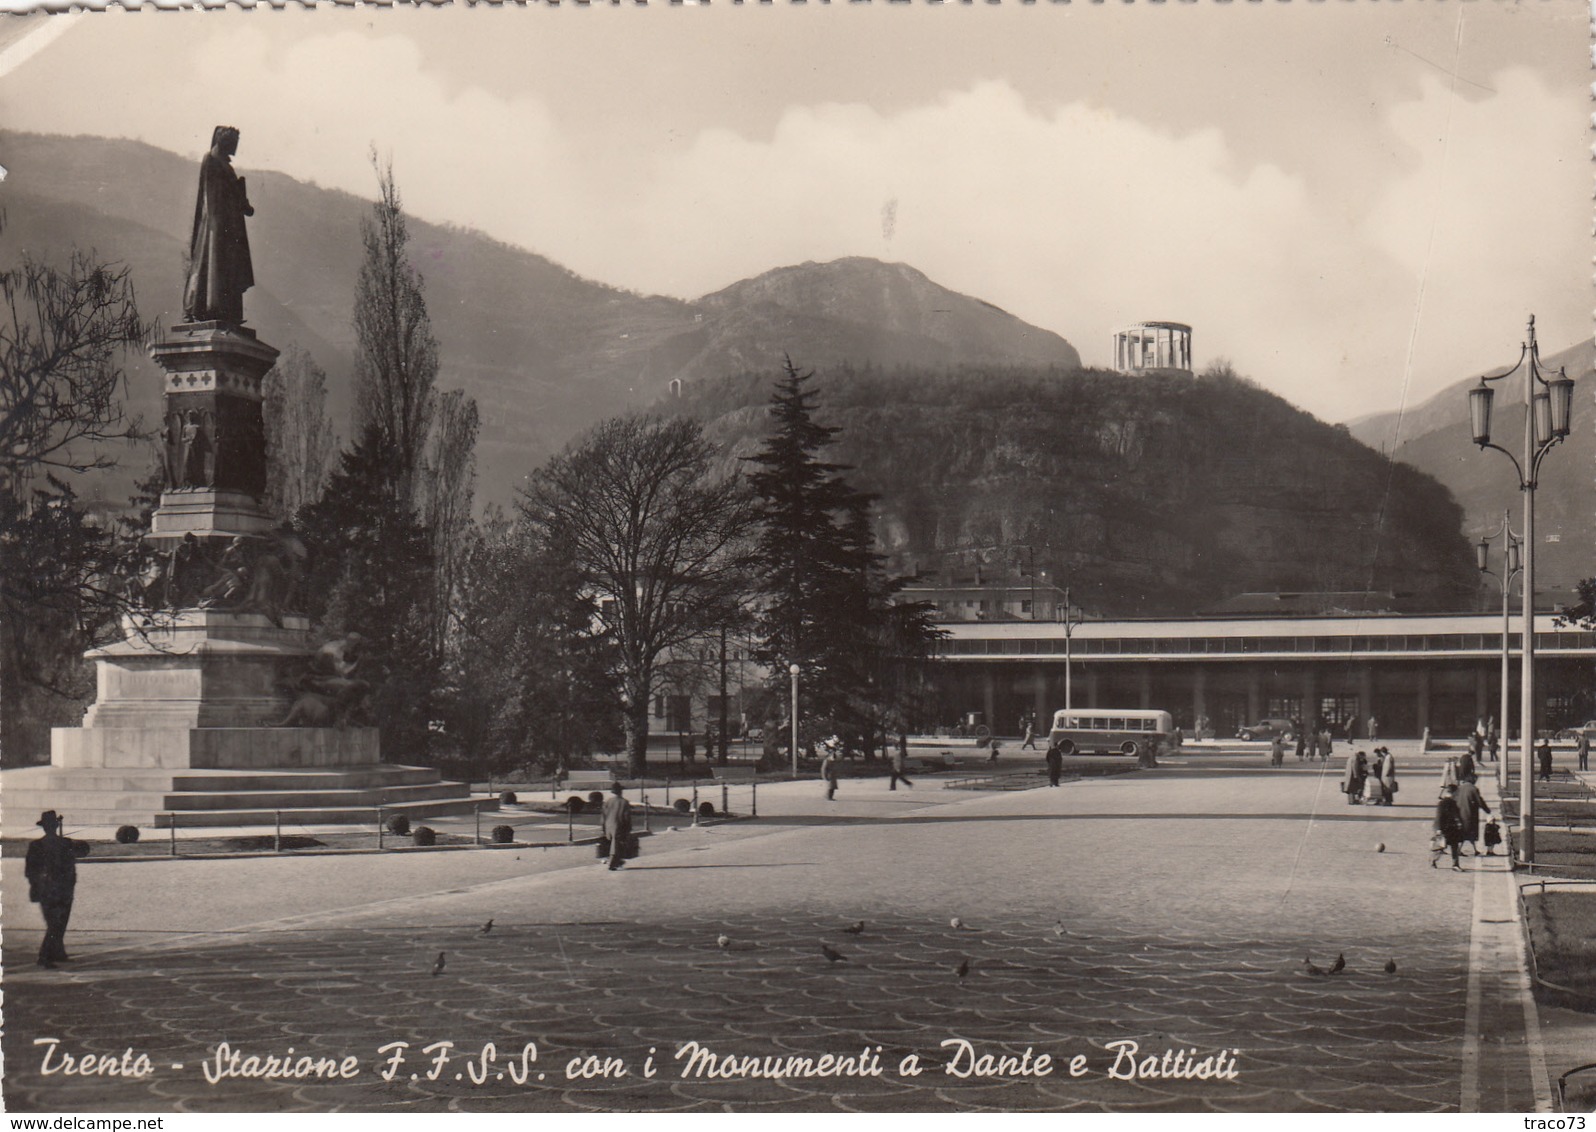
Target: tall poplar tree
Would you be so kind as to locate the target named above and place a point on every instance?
(396, 356)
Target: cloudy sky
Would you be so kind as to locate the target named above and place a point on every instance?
(1355, 202)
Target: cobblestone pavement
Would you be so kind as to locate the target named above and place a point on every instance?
(1188, 900)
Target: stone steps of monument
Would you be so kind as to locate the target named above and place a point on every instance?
(92, 797)
(311, 799)
(328, 815)
(155, 781)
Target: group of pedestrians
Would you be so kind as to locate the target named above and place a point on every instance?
(1370, 782)
(1314, 742)
(1457, 815)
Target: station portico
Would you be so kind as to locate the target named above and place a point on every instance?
(1411, 672)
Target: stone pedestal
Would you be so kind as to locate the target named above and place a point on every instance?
(186, 727)
(214, 432)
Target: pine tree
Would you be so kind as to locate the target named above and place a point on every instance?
(372, 573)
(820, 598)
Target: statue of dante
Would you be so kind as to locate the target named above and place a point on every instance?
(219, 270)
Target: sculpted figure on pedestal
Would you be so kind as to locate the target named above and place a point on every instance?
(219, 269)
(329, 693)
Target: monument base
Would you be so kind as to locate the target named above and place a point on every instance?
(184, 730)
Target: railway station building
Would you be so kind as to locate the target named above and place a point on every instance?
(1412, 672)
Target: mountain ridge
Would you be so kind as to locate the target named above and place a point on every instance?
(546, 352)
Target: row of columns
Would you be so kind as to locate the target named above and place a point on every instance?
(1152, 347)
(1086, 692)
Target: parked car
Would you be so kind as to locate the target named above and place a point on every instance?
(1588, 728)
(1268, 729)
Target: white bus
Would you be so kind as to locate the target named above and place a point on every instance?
(1086, 731)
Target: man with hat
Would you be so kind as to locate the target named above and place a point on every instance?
(52, 872)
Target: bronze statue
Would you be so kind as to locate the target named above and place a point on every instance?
(329, 694)
(219, 269)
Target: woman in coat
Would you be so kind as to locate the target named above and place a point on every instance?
(1469, 805)
(1388, 775)
(1449, 824)
(1352, 780)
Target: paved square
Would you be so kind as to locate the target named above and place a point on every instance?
(1189, 898)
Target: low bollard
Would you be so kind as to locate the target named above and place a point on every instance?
(277, 833)
(643, 801)
(570, 824)
(725, 799)
(753, 799)
(172, 828)
(667, 791)
(379, 827)
(476, 812)
(695, 801)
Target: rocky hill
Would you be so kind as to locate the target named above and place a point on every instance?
(1153, 495)
(545, 352)
(1435, 438)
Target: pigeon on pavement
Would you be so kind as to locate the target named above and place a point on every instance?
(723, 941)
(437, 968)
(855, 929)
(487, 927)
(1339, 965)
(832, 954)
(963, 968)
(1309, 967)
(1390, 966)
(956, 924)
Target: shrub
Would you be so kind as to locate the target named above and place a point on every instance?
(682, 806)
(706, 809)
(508, 798)
(575, 804)
(127, 834)
(503, 835)
(425, 836)
(399, 825)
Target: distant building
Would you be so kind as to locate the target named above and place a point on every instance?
(1154, 347)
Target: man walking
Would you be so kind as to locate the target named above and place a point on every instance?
(828, 772)
(1030, 734)
(1545, 752)
(1055, 763)
(900, 755)
(1582, 750)
(617, 825)
(52, 872)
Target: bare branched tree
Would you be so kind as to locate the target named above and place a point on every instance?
(61, 378)
(661, 541)
(396, 359)
(299, 437)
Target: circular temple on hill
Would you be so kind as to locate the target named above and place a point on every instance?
(1153, 347)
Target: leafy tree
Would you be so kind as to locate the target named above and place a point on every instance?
(529, 683)
(657, 537)
(299, 437)
(396, 356)
(1583, 612)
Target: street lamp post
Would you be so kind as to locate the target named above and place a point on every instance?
(793, 670)
(1070, 621)
(1546, 420)
(1510, 570)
